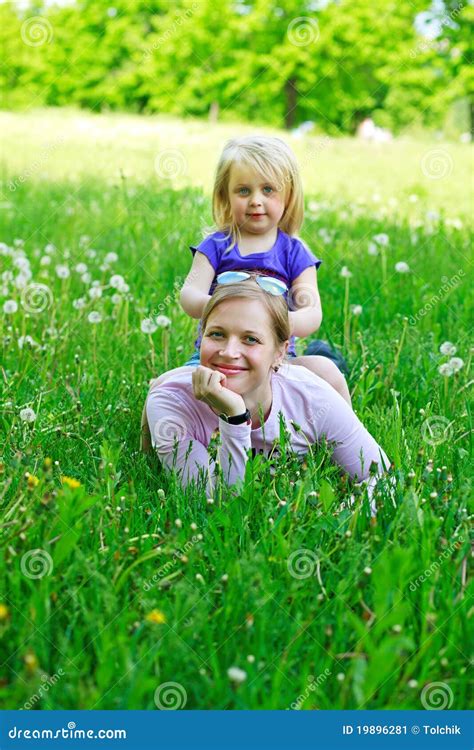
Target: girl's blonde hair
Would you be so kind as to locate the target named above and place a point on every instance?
(275, 161)
(275, 305)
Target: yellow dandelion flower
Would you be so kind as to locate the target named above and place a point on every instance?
(4, 612)
(31, 661)
(47, 463)
(32, 481)
(70, 482)
(156, 617)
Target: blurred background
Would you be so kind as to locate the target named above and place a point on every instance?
(318, 65)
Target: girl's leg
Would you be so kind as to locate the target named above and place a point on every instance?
(327, 370)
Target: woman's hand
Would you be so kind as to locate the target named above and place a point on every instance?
(210, 386)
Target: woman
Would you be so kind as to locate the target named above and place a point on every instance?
(242, 378)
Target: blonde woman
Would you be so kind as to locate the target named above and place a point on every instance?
(258, 209)
(242, 387)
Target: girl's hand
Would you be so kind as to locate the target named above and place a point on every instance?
(210, 386)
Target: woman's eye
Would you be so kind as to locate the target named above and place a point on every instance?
(214, 333)
(251, 340)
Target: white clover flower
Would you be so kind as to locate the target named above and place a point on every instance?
(62, 272)
(79, 303)
(95, 292)
(373, 249)
(148, 326)
(402, 267)
(456, 363)
(111, 258)
(10, 306)
(81, 268)
(116, 298)
(94, 317)
(45, 260)
(237, 675)
(162, 321)
(26, 340)
(356, 309)
(7, 276)
(116, 281)
(447, 348)
(27, 415)
(381, 239)
(345, 273)
(446, 370)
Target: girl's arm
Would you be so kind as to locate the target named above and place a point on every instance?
(195, 291)
(304, 297)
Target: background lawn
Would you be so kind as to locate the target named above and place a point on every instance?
(116, 583)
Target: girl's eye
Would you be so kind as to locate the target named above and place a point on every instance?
(243, 191)
(267, 189)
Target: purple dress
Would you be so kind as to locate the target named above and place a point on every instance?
(286, 260)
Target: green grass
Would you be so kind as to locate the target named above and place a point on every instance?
(363, 629)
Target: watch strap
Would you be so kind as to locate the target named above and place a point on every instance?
(239, 419)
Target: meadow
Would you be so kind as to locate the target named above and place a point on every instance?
(120, 590)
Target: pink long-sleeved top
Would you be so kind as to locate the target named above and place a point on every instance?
(181, 427)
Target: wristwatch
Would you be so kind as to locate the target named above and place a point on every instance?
(239, 419)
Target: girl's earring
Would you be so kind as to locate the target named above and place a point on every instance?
(276, 368)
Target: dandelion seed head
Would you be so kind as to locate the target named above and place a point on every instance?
(94, 317)
(447, 348)
(10, 306)
(27, 415)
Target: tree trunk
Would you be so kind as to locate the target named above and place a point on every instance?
(291, 96)
(214, 112)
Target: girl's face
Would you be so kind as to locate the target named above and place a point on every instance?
(257, 204)
(238, 341)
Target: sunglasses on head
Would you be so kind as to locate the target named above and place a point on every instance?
(267, 283)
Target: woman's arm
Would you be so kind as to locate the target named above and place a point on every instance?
(304, 296)
(195, 291)
(178, 422)
(355, 450)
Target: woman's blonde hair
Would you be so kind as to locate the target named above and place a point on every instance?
(275, 161)
(275, 305)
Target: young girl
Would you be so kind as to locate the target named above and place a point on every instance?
(257, 207)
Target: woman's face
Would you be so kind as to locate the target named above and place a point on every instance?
(238, 341)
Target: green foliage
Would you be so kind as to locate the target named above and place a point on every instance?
(280, 62)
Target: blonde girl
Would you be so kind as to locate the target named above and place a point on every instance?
(257, 207)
